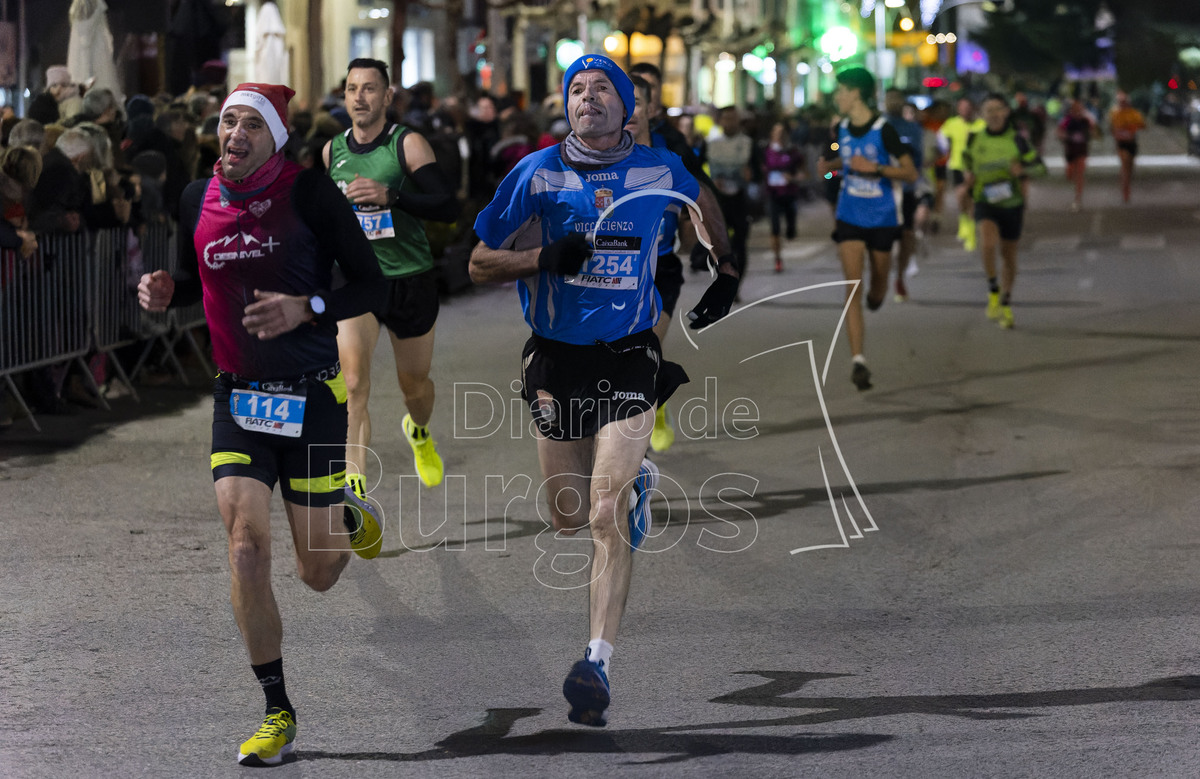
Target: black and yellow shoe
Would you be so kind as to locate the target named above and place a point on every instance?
(993, 306)
(1006, 318)
(275, 739)
(425, 454)
(366, 537)
(663, 434)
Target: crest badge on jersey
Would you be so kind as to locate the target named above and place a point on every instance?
(604, 199)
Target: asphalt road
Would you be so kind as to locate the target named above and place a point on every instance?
(984, 566)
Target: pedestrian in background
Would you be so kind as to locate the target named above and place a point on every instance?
(1124, 122)
(953, 136)
(783, 164)
(1076, 131)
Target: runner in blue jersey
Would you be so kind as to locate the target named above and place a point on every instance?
(873, 162)
(592, 371)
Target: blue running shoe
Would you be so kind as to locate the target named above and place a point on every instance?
(639, 502)
(586, 689)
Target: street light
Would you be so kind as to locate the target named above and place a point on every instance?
(932, 9)
(881, 44)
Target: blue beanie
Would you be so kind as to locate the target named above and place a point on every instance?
(611, 69)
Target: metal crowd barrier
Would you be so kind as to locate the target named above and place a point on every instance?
(77, 295)
(44, 310)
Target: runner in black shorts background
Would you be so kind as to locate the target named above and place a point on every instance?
(390, 176)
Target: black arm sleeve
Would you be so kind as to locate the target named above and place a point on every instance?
(323, 207)
(436, 200)
(892, 143)
(187, 275)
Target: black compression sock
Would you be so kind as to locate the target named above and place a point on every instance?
(1006, 299)
(270, 677)
(993, 287)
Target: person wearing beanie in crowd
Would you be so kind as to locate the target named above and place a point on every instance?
(583, 263)
(873, 163)
(59, 100)
(258, 244)
(389, 175)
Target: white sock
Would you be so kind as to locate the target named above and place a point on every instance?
(858, 358)
(599, 651)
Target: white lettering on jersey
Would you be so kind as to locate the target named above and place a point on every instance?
(217, 259)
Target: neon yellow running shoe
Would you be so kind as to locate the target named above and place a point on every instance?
(663, 434)
(1006, 317)
(275, 739)
(366, 537)
(993, 308)
(428, 461)
(969, 240)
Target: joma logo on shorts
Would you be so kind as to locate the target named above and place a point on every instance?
(629, 396)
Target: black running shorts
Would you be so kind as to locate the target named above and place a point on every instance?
(1009, 220)
(668, 279)
(412, 305)
(877, 239)
(310, 469)
(573, 391)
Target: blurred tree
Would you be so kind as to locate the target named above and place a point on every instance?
(1038, 37)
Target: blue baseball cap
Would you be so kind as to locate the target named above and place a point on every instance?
(611, 69)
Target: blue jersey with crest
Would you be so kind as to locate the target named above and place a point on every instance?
(543, 199)
(868, 200)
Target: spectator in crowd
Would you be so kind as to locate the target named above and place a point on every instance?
(63, 190)
(483, 132)
(59, 100)
(151, 167)
(19, 173)
(419, 115)
(31, 133)
(450, 145)
(100, 107)
(558, 129)
(201, 106)
(516, 141)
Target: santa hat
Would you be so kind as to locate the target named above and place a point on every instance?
(270, 100)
